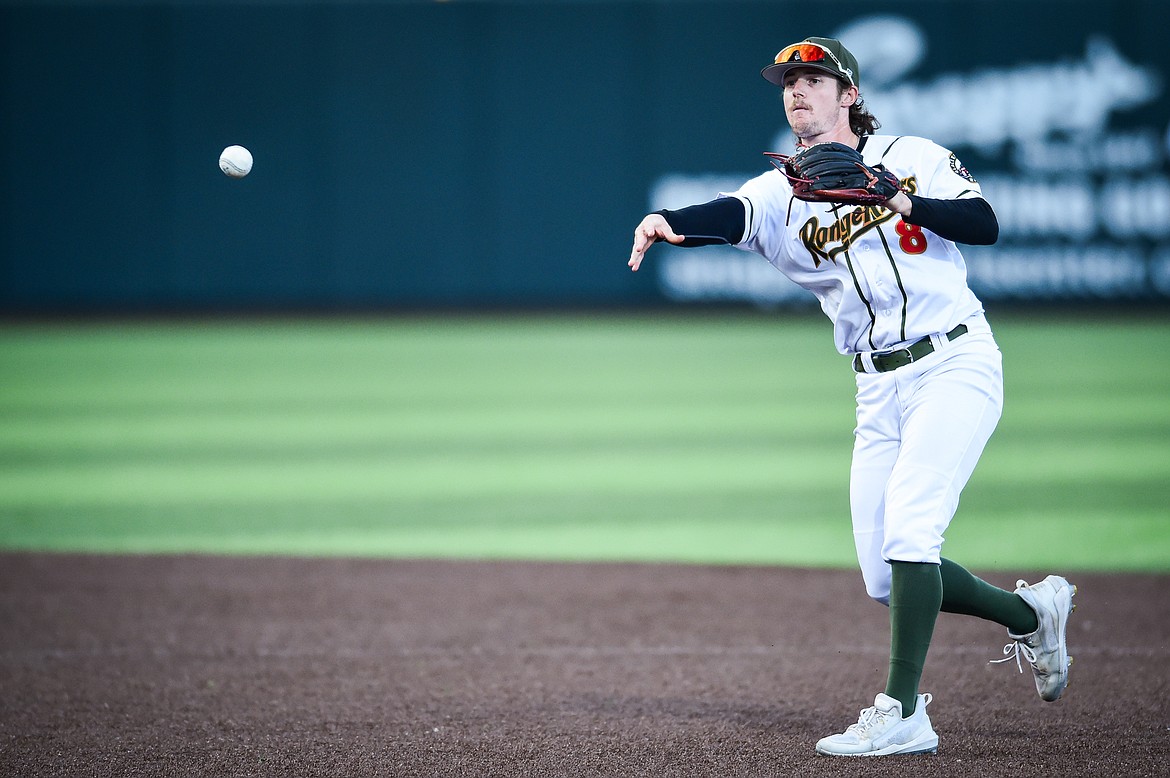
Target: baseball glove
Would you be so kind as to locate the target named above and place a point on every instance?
(835, 173)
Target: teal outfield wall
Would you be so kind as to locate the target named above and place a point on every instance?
(418, 154)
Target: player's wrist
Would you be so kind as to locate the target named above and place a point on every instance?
(900, 204)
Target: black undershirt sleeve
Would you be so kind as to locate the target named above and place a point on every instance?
(970, 221)
(709, 224)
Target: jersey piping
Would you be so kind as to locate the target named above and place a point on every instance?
(898, 277)
(861, 296)
(750, 214)
(887, 151)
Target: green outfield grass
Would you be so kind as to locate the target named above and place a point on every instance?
(714, 439)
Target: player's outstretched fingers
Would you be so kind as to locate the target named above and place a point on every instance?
(652, 229)
(643, 239)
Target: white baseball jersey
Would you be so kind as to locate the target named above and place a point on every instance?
(882, 282)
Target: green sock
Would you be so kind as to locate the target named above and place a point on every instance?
(915, 597)
(971, 596)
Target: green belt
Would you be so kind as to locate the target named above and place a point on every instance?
(885, 361)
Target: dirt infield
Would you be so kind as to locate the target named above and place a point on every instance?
(127, 666)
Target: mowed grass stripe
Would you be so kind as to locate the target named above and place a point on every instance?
(695, 439)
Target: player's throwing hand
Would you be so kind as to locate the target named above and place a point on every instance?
(652, 229)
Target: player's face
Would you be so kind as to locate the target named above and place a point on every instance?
(815, 104)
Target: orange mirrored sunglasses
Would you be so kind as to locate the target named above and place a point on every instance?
(812, 53)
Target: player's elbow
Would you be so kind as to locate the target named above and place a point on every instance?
(985, 226)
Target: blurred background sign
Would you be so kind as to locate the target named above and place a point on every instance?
(482, 154)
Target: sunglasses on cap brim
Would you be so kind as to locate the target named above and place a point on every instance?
(812, 53)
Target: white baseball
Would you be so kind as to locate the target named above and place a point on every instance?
(235, 161)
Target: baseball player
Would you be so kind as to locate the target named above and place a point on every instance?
(928, 370)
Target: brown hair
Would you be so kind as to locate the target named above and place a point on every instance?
(861, 121)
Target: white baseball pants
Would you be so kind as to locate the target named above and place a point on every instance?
(920, 432)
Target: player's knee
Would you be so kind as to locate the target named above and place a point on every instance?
(878, 589)
(882, 597)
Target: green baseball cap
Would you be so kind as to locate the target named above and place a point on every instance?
(827, 54)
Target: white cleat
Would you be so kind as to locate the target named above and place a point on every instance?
(881, 731)
(1045, 649)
